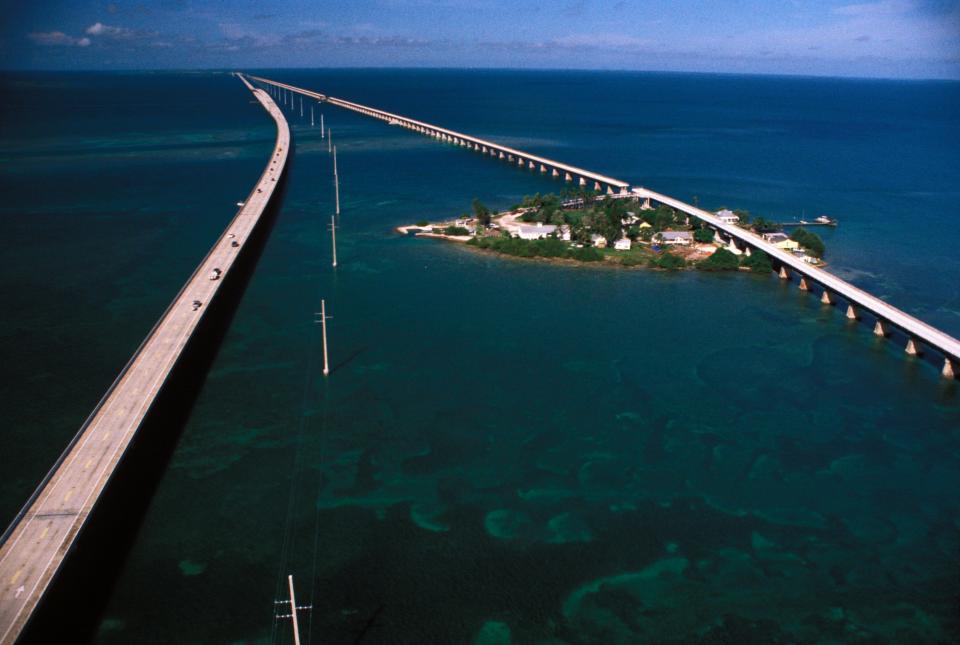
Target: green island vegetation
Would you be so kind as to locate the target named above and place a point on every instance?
(720, 260)
(809, 241)
(668, 261)
(704, 235)
(758, 262)
(578, 216)
(548, 247)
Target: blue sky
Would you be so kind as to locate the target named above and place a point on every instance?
(872, 38)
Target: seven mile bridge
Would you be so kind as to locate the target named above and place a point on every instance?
(40, 538)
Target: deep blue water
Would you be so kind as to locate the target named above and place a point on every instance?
(505, 450)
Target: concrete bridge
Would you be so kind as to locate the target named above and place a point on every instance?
(581, 177)
(831, 287)
(887, 317)
(41, 537)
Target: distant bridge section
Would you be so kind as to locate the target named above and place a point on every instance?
(857, 299)
(582, 177)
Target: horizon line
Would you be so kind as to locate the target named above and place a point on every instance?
(47, 70)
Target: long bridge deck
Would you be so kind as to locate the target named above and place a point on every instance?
(521, 158)
(916, 330)
(913, 327)
(39, 539)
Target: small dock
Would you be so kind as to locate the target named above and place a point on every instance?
(803, 222)
(42, 535)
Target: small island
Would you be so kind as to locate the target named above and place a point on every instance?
(581, 226)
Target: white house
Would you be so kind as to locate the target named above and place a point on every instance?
(623, 244)
(727, 216)
(781, 241)
(598, 241)
(676, 237)
(536, 232)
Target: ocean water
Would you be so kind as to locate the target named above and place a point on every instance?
(506, 451)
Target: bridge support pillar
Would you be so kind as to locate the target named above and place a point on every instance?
(609, 190)
(624, 191)
(597, 187)
(826, 298)
(880, 329)
(948, 371)
(747, 251)
(803, 284)
(532, 166)
(555, 173)
(543, 168)
(912, 348)
(483, 149)
(582, 182)
(852, 313)
(520, 162)
(502, 155)
(783, 273)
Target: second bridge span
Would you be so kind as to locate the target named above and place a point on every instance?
(570, 173)
(887, 316)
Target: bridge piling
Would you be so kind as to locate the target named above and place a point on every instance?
(912, 348)
(852, 313)
(826, 298)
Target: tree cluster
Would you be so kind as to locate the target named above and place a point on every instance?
(810, 241)
(545, 248)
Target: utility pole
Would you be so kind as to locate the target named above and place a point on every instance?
(293, 611)
(333, 236)
(336, 179)
(323, 323)
(292, 602)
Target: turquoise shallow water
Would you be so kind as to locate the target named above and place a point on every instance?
(554, 454)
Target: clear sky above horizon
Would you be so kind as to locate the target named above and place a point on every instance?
(873, 38)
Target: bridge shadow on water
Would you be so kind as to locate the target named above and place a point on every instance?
(74, 604)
